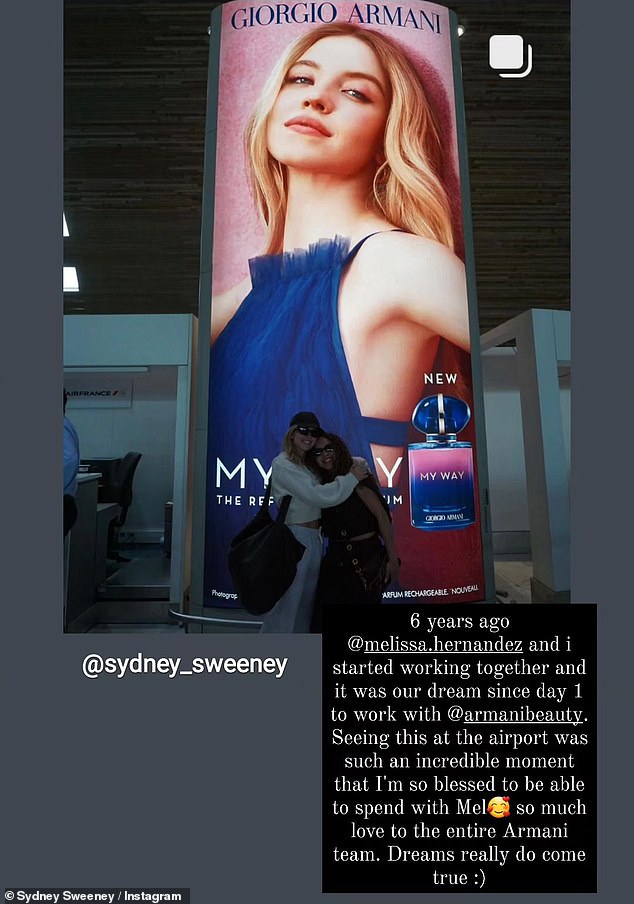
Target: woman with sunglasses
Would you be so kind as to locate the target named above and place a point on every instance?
(290, 477)
(359, 534)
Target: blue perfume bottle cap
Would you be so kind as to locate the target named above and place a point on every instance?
(441, 417)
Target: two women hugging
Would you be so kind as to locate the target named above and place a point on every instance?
(331, 490)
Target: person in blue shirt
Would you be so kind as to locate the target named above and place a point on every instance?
(71, 468)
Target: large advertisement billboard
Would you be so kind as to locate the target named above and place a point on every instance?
(338, 272)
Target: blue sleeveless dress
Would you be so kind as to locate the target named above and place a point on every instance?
(281, 352)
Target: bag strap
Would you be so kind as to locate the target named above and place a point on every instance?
(286, 501)
(281, 515)
(265, 502)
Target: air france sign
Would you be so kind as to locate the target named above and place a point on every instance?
(103, 392)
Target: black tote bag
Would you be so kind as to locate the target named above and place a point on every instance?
(263, 558)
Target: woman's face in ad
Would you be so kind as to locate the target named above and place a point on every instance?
(329, 116)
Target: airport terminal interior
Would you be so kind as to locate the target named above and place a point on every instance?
(135, 104)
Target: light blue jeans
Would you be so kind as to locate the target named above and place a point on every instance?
(292, 613)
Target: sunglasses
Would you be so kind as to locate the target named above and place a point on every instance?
(309, 431)
(318, 452)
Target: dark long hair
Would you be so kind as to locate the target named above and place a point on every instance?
(343, 463)
(343, 459)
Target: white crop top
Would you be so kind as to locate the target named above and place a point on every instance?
(309, 496)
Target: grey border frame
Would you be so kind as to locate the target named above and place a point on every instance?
(204, 815)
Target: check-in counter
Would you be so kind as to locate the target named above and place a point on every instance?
(106, 468)
(106, 511)
(155, 354)
(88, 542)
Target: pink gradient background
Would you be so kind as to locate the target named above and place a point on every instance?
(246, 59)
(440, 460)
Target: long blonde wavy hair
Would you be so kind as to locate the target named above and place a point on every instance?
(406, 190)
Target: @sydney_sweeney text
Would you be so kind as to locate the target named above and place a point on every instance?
(459, 751)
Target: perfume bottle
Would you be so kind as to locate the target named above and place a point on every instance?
(441, 469)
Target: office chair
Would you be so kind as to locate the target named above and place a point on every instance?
(119, 490)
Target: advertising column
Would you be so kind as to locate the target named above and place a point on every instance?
(338, 269)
